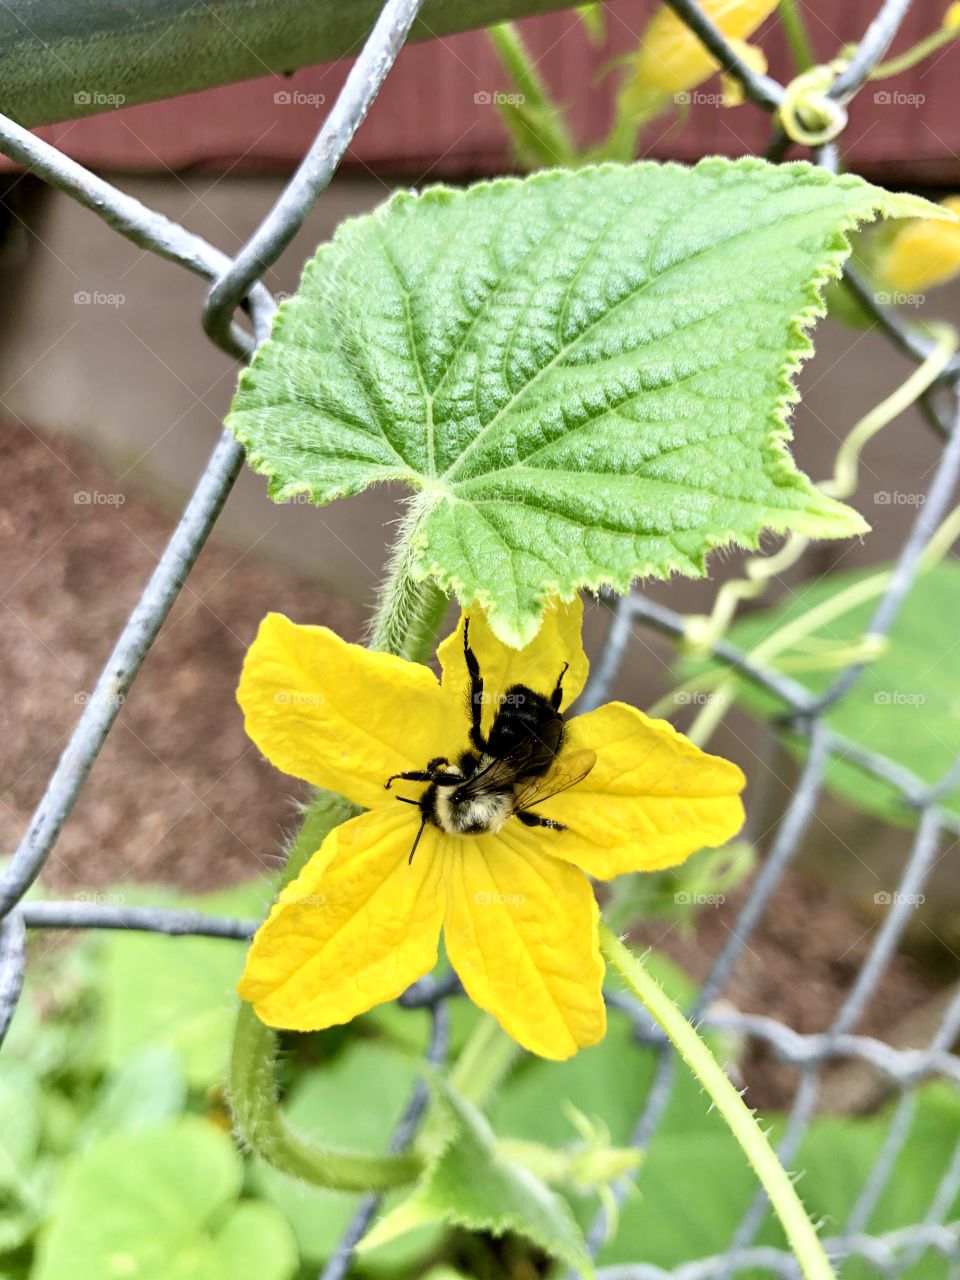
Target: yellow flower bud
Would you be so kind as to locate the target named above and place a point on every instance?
(951, 19)
(924, 253)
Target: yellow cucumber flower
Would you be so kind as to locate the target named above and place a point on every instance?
(363, 920)
(671, 59)
(923, 253)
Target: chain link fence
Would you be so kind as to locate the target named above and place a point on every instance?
(235, 284)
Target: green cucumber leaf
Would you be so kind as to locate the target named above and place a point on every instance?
(178, 992)
(905, 705)
(146, 1090)
(161, 1204)
(584, 377)
(469, 1184)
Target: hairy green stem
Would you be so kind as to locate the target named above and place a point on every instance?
(794, 28)
(409, 615)
(261, 1126)
(409, 611)
(536, 123)
(740, 1120)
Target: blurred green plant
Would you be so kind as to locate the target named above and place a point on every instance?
(117, 1161)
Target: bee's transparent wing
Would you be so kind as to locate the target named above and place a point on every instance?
(571, 767)
(502, 771)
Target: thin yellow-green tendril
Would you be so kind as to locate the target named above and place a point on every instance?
(808, 114)
(788, 635)
(916, 53)
(703, 632)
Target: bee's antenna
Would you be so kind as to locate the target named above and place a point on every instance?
(417, 841)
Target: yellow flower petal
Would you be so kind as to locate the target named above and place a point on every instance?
(537, 666)
(651, 800)
(671, 58)
(924, 253)
(336, 714)
(755, 59)
(356, 928)
(521, 931)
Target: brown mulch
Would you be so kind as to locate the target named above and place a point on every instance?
(179, 795)
(798, 967)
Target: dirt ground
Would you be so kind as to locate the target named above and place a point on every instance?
(179, 795)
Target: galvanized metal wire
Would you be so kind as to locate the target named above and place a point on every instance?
(236, 286)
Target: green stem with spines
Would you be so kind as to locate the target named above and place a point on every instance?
(406, 623)
(549, 143)
(738, 1117)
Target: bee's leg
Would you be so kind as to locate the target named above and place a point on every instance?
(416, 841)
(476, 691)
(557, 696)
(531, 819)
(411, 775)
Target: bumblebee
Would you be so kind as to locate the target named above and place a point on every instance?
(516, 765)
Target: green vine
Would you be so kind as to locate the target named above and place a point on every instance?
(740, 1120)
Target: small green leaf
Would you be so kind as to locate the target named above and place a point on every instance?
(583, 376)
(469, 1184)
(594, 22)
(158, 1205)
